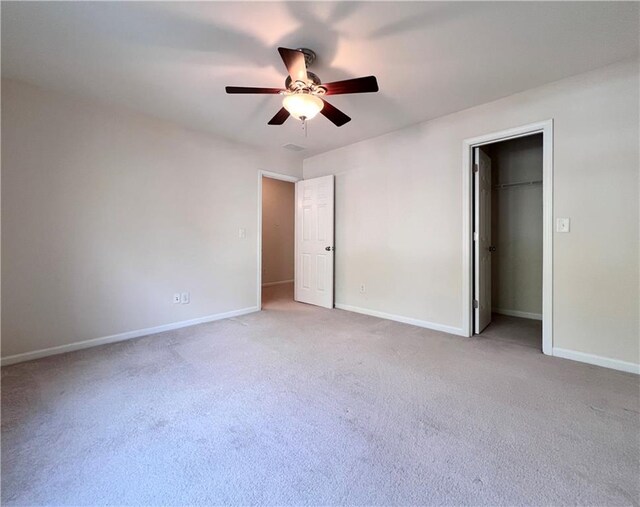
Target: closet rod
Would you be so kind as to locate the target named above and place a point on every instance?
(517, 184)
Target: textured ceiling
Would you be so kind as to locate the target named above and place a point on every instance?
(172, 60)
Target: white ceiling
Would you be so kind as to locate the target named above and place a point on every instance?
(172, 60)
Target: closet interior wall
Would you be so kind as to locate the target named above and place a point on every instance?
(516, 209)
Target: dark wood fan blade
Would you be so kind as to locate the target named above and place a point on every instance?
(294, 61)
(280, 117)
(246, 89)
(367, 84)
(334, 114)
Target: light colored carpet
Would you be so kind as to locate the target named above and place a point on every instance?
(302, 405)
(525, 332)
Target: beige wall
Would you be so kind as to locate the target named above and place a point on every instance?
(516, 225)
(399, 211)
(106, 214)
(278, 205)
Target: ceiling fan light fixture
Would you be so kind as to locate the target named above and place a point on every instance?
(303, 106)
(303, 90)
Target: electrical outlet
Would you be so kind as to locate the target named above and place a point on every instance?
(176, 298)
(363, 288)
(242, 233)
(185, 298)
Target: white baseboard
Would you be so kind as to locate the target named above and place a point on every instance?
(281, 282)
(606, 362)
(517, 313)
(94, 342)
(405, 320)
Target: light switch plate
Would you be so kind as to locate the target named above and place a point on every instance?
(185, 298)
(563, 224)
(242, 233)
(176, 298)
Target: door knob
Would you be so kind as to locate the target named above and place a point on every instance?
(492, 248)
(328, 248)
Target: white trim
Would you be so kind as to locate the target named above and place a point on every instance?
(546, 128)
(517, 313)
(606, 362)
(405, 320)
(278, 176)
(274, 176)
(281, 282)
(295, 242)
(94, 342)
(547, 237)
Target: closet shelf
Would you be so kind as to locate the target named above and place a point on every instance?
(518, 184)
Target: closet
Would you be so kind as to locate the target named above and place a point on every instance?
(516, 235)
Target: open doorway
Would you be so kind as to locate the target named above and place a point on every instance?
(295, 240)
(277, 239)
(507, 224)
(508, 199)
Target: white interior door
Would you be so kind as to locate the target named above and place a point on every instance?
(314, 241)
(482, 239)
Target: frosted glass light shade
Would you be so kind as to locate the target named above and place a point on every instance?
(302, 105)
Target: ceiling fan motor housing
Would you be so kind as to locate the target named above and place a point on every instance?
(314, 80)
(314, 85)
(309, 56)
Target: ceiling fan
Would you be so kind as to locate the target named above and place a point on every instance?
(304, 92)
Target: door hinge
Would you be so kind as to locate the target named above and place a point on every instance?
(475, 236)
(475, 303)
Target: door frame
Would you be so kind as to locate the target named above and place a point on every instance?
(546, 129)
(273, 176)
